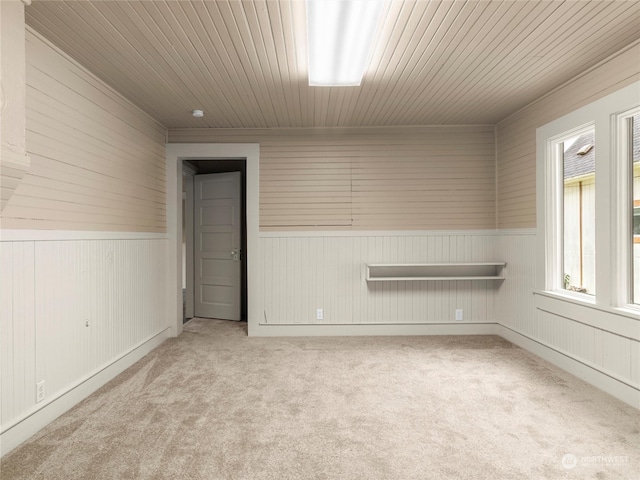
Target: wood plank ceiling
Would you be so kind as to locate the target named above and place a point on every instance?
(438, 62)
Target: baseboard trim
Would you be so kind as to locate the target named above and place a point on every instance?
(31, 424)
(37, 420)
(370, 329)
(588, 373)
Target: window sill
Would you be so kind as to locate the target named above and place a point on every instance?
(631, 311)
(573, 297)
(623, 321)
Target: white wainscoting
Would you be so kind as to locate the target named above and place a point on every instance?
(306, 271)
(515, 307)
(69, 310)
(50, 288)
(602, 347)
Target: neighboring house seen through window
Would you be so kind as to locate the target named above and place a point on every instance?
(578, 221)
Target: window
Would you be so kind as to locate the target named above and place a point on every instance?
(572, 169)
(626, 192)
(578, 219)
(588, 186)
(626, 203)
(633, 157)
(636, 213)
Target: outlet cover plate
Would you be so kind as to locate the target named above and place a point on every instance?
(40, 391)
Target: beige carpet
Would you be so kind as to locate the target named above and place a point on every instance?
(214, 404)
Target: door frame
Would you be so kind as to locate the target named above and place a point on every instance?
(188, 174)
(175, 154)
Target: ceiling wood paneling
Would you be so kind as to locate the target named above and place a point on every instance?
(244, 62)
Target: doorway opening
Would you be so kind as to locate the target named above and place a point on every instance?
(193, 172)
(175, 154)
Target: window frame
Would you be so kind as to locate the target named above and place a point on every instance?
(555, 216)
(614, 224)
(622, 201)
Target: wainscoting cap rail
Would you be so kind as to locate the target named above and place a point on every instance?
(58, 235)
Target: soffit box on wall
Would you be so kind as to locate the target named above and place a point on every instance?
(13, 168)
(14, 163)
(245, 62)
(96, 159)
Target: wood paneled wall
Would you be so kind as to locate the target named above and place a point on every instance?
(97, 162)
(410, 178)
(516, 135)
(612, 347)
(68, 309)
(305, 272)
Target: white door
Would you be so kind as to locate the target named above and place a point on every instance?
(218, 237)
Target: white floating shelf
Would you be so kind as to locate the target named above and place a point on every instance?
(397, 272)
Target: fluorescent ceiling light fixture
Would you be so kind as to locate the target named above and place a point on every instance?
(340, 33)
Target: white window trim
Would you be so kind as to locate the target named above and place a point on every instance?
(621, 193)
(554, 214)
(603, 115)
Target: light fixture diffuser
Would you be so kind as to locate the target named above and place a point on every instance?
(340, 33)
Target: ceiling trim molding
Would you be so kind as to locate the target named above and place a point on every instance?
(570, 81)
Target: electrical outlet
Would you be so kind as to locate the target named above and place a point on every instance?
(459, 315)
(40, 391)
(320, 314)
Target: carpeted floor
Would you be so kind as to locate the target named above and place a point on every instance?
(215, 404)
